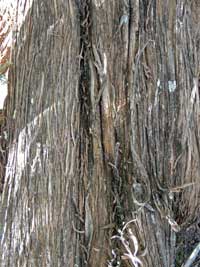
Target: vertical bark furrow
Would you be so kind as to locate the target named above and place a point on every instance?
(103, 119)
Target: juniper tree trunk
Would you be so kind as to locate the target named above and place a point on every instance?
(103, 129)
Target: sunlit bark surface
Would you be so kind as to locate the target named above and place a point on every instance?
(103, 128)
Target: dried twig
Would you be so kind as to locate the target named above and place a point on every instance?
(130, 255)
(192, 257)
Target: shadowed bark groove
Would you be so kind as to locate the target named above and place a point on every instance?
(103, 115)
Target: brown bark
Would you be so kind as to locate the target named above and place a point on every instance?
(103, 113)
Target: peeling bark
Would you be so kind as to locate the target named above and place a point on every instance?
(102, 118)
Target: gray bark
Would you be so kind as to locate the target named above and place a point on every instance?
(103, 127)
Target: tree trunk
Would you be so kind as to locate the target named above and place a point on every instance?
(103, 135)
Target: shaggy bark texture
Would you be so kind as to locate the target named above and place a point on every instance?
(103, 129)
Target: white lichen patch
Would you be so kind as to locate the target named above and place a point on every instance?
(104, 64)
(99, 3)
(194, 90)
(158, 83)
(172, 86)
